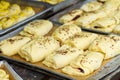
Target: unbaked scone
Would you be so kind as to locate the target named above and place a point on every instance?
(85, 64)
(81, 40)
(62, 57)
(65, 31)
(38, 49)
(73, 15)
(12, 45)
(38, 28)
(106, 45)
(91, 6)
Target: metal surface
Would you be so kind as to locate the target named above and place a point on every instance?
(11, 71)
(76, 6)
(29, 74)
(35, 68)
(64, 4)
(105, 70)
(33, 4)
(61, 5)
(108, 68)
(115, 75)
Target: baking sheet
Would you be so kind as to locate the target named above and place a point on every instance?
(39, 7)
(39, 66)
(61, 5)
(98, 74)
(113, 76)
(76, 6)
(8, 69)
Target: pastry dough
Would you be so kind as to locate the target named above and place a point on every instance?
(106, 45)
(65, 31)
(38, 49)
(12, 10)
(85, 64)
(25, 34)
(110, 6)
(88, 18)
(108, 29)
(7, 22)
(4, 5)
(38, 27)
(62, 57)
(73, 15)
(81, 40)
(103, 22)
(91, 6)
(117, 29)
(12, 45)
(117, 43)
(4, 75)
(25, 13)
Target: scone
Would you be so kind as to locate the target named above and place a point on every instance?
(106, 24)
(106, 45)
(14, 10)
(81, 40)
(62, 57)
(38, 28)
(65, 31)
(38, 49)
(105, 10)
(91, 6)
(85, 64)
(71, 16)
(88, 18)
(12, 45)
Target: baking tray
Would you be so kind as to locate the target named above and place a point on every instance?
(69, 9)
(115, 75)
(40, 8)
(8, 69)
(30, 73)
(107, 67)
(61, 5)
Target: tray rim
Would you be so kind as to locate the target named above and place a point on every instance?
(31, 65)
(48, 8)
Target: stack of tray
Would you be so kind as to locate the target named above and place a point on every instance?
(107, 67)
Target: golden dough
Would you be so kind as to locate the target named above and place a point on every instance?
(62, 57)
(85, 64)
(12, 45)
(38, 49)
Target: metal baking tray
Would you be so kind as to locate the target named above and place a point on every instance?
(61, 5)
(115, 75)
(8, 69)
(107, 67)
(69, 9)
(30, 73)
(40, 8)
